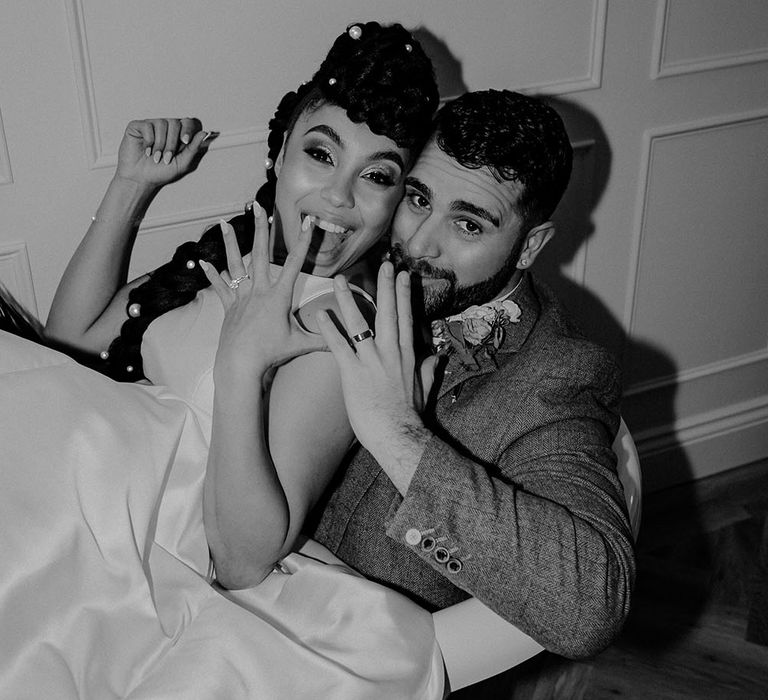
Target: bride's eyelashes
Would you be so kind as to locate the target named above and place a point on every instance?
(320, 154)
(378, 174)
(381, 176)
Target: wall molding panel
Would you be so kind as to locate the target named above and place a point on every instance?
(593, 78)
(6, 174)
(702, 445)
(96, 155)
(650, 138)
(16, 274)
(664, 68)
(203, 216)
(702, 372)
(85, 87)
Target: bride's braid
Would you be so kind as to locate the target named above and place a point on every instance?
(381, 76)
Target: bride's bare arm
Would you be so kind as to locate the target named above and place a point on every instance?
(261, 484)
(272, 453)
(89, 306)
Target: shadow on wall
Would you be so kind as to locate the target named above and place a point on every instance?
(448, 69)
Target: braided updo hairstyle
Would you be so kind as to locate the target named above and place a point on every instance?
(381, 77)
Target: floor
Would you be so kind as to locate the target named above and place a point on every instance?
(701, 593)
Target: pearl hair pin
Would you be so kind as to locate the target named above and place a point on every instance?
(269, 163)
(355, 32)
(190, 264)
(134, 310)
(331, 81)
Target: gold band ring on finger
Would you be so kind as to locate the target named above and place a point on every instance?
(235, 283)
(360, 337)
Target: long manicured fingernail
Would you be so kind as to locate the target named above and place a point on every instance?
(204, 265)
(341, 281)
(305, 224)
(167, 157)
(158, 155)
(185, 138)
(210, 135)
(224, 226)
(256, 210)
(148, 152)
(386, 269)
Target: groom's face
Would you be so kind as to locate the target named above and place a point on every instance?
(457, 229)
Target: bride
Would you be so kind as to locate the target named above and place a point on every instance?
(111, 506)
(340, 149)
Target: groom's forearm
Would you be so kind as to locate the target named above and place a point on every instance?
(399, 450)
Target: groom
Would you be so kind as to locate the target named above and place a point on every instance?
(505, 488)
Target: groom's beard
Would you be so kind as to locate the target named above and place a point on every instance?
(447, 297)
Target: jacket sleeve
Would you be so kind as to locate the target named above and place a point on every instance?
(541, 534)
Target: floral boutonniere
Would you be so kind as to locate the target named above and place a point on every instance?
(477, 330)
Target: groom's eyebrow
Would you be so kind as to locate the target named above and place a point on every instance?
(461, 205)
(378, 155)
(419, 186)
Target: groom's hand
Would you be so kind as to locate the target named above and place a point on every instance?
(382, 389)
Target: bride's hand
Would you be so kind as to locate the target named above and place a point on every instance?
(155, 152)
(259, 331)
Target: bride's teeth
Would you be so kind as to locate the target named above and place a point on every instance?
(327, 225)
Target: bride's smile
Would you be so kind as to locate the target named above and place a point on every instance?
(345, 178)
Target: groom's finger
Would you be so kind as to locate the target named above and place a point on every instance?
(386, 310)
(335, 341)
(354, 321)
(405, 326)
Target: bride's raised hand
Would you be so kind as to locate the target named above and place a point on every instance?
(156, 152)
(259, 331)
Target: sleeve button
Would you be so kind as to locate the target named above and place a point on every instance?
(441, 555)
(428, 544)
(413, 536)
(454, 566)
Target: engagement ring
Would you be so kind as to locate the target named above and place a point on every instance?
(235, 283)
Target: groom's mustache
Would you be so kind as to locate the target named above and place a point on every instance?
(402, 261)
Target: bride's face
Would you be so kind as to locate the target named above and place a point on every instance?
(347, 179)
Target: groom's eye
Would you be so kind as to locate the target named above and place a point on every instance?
(469, 227)
(416, 199)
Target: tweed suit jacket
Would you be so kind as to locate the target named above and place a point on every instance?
(515, 500)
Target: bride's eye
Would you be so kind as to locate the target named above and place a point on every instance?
(380, 177)
(322, 155)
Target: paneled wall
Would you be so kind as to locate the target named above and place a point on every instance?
(662, 242)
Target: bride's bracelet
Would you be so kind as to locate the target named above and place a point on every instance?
(133, 222)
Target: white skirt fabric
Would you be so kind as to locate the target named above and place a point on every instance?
(104, 590)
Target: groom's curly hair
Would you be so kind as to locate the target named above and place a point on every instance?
(518, 138)
(381, 77)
